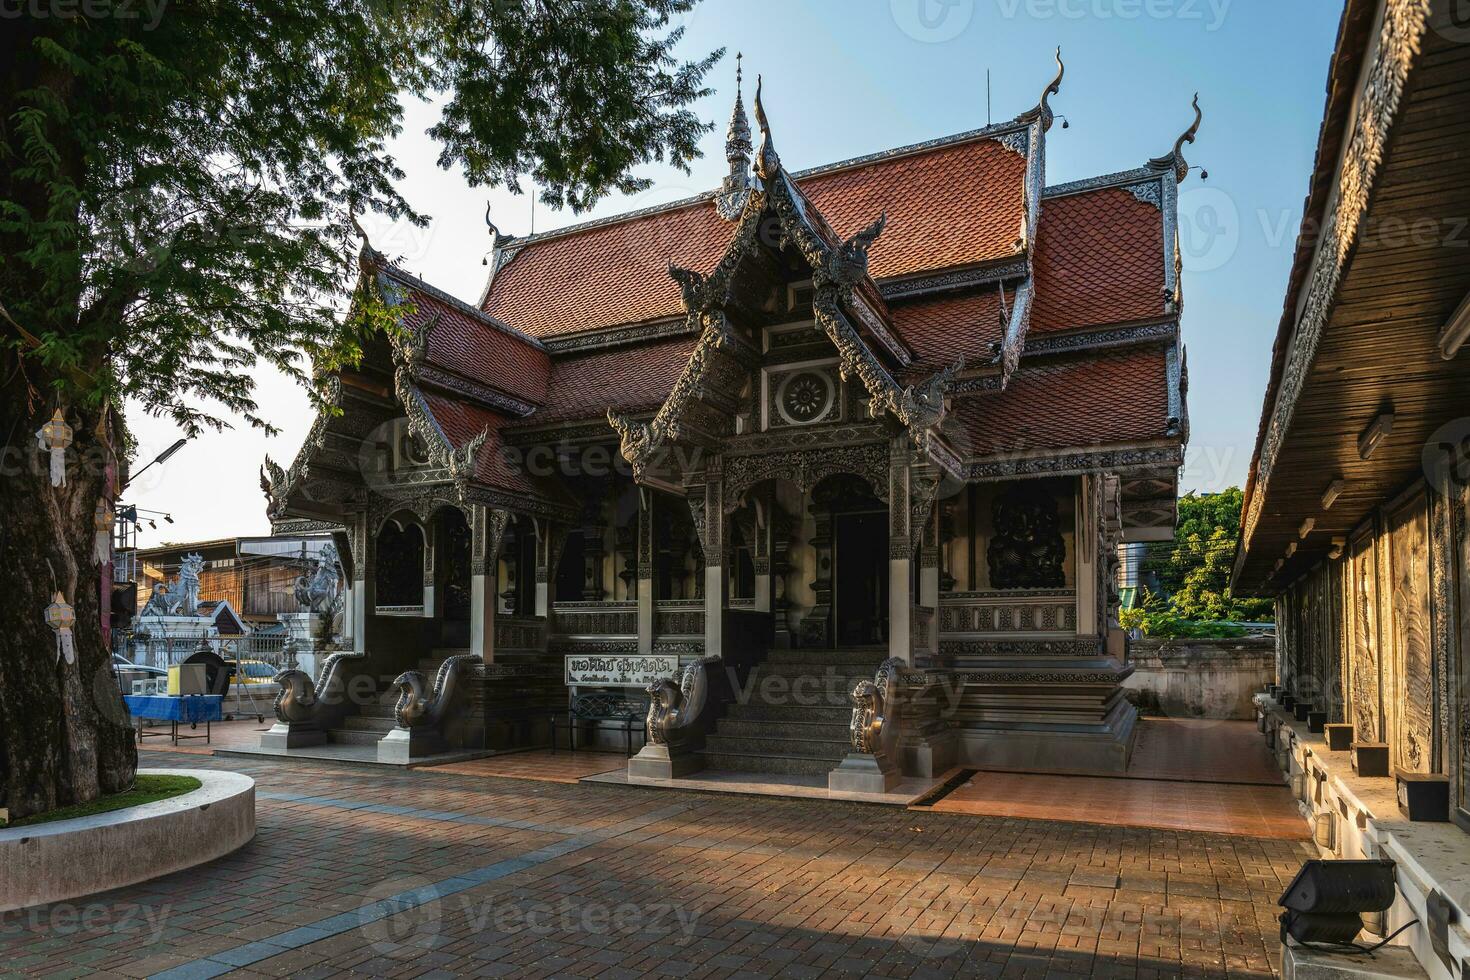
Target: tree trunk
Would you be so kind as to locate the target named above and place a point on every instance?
(64, 731)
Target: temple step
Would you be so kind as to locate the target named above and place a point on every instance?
(835, 714)
(351, 736)
(769, 762)
(368, 723)
(815, 745)
(377, 711)
(795, 727)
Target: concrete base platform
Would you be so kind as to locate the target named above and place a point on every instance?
(863, 773)
(658, 762)
(353, 755)
(65, 859)
(795, 786)
(1100, 749)
(1388, 963)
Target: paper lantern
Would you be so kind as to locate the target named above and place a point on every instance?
(61, 617)
(102, 532)
(56, 436)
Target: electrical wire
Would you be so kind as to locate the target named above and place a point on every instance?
(1355, 947)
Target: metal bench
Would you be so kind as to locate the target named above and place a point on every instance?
(629, 710)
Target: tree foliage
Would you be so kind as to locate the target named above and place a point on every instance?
(177, 197)
(178, 187)
(1193, 571)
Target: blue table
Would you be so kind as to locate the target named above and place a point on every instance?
(191, 708)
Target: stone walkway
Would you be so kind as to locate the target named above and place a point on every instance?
(410, 874)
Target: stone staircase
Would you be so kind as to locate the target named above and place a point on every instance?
(373, 721)
(794, 714)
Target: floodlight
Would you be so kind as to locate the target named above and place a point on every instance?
(1326, 900)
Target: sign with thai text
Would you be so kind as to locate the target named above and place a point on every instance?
(626, 670)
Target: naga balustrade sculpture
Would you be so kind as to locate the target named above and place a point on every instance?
(675, 708)
(875, 724)
(318, 704)
(418, 708)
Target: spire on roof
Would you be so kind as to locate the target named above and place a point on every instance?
(766, 160)
(1050, 90)
(1175, 160)
(735, 188)
(737, 137)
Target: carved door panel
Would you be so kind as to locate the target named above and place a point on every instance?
(1407, 588)
(1360, 625)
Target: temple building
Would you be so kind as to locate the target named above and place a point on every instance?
(1355, 510)
(886, 419)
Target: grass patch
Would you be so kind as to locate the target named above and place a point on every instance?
(147, 789)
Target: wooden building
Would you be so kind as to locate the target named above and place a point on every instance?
(1355, 510)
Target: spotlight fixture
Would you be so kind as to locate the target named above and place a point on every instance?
(1380, 427)
(1326, 900)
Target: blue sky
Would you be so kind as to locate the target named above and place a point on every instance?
(845, 77)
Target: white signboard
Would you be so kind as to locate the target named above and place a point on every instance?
(618, 670)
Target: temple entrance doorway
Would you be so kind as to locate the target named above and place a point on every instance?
(454, 537)
(851, 542)
(860, 586)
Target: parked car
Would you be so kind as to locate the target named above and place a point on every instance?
(251, 671)
(119, 663)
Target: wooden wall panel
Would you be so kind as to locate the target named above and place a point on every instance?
(1407, 595)
(1364, 695)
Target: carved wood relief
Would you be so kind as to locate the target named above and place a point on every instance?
(1461, 727)
(1407, 600)
(1361, 630)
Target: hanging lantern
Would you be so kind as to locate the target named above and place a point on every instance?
(102, 537)
(61, 617)
(56, 436)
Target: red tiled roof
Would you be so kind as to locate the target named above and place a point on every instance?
(941, 330)
(462, 422)
(607, 275)
(1107, 399)
(625, 379)
(480, 351)
(956, 205)
(1099, 259)
(953, 205)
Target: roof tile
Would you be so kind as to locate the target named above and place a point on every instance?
(1099, 260)
(1108, 399)
(959, 204)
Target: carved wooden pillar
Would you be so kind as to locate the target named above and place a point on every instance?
(543, 566)
(487, 531)
(761, 550)
(900, 550)
(431, 544)
(363, 599)
(816, 628)
(780, 532)
(711, 518)
(645, 589)
(929, 562)
(1088, 527)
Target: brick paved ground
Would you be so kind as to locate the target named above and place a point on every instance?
(418, 874)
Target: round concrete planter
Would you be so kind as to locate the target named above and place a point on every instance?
(66, 859)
